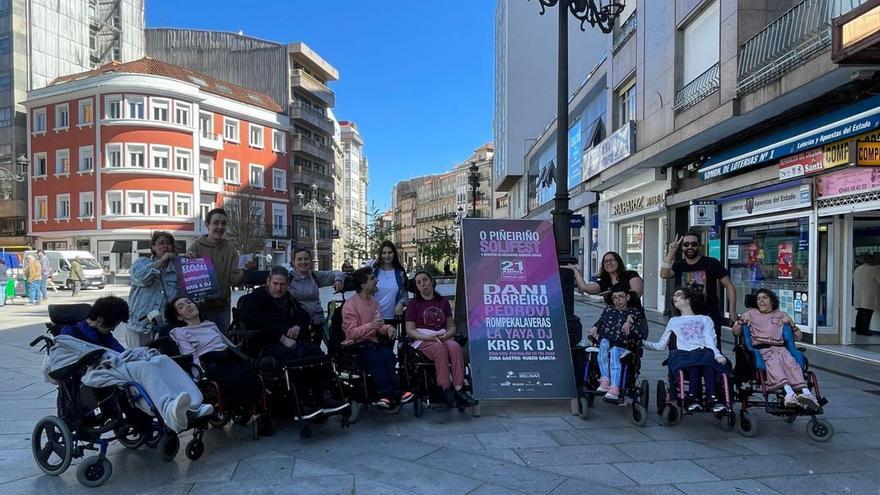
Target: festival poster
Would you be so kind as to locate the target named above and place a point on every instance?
(518, 340)
(784, 260)
(196, 277)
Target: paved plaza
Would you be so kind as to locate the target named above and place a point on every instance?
(532, 447)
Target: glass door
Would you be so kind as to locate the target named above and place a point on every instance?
(826, 314)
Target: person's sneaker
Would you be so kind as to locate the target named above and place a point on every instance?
(330, 405)
(201, 412)
(791, 400)
(604, 384)
(383, 403)
(179, 407)
(449, 397)
(613, 393)
(716, 406)
(624, 354)
(465, 399)
(808, 400)
(692, 405)
(406, 397)
(308, 411)
(584, 343)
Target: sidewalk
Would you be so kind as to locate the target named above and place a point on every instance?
(532, 447)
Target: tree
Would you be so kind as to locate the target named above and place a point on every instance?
(362, 242)
(246, 220)
(441, 246)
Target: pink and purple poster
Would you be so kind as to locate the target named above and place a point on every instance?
(196, 277)
(518, 340)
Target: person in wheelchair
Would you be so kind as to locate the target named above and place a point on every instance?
(363, 324)
(766, 323)
(695, 353)
(619, 329)
(283, 325)
(430, 326)
(176, 396)
(216, 355)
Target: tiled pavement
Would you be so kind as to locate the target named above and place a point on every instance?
(515, 447)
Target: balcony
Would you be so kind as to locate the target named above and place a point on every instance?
(210, 140)
(626, 31)
(314, 149)
(303, 175)
(305, 81)
(310, 116)
(210, 184)
(704, 85)
(278, 231)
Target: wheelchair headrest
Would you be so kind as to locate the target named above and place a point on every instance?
(751, 301)
(68, 314)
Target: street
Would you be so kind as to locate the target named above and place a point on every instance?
(514, 447)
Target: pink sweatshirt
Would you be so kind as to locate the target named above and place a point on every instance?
(200, 339)
(357, 320)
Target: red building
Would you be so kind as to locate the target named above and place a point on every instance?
(130, 148)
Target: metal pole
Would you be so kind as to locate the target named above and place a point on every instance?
(315, 235)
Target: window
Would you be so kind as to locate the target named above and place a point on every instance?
(86, 159)
(206, 167)
(113, 156)
(5, 80)
(279, 217)
(230, 129)
(206, 124)
(136, 202)
(136, 154)
(257, 211)
(231, 172)
(4, 45)
(160, 109)
(701, 44)
(256, 136)
(5, 116)
(161, 203)
(135, 107)
(181, 113)
(4, 7)
(62, 162)
(114, 202)
(161, 157)
(86, 112)
(626, 103)
(39, 120)
(279, 180)
(182, 205)
(62, 116)
(86, 205)
(62, 207)
(41, 209)
(182, 159)
(278, 143)
(113, 107)
(256, 176)
(41, 166)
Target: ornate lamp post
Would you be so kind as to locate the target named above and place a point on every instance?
(7, 175)
(314, 206)
(601, 13)
(474, 181)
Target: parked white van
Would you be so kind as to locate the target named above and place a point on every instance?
(59, 263)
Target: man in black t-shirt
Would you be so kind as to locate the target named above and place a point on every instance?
(701, 274)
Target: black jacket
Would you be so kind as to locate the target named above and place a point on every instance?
(259, 312)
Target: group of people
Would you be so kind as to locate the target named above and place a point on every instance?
(696, 325)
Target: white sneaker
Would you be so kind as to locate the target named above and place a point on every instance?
(808, 400)
(176, 415)
(791, 400)
(583, 343)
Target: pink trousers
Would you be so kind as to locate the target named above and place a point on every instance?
(448, 358)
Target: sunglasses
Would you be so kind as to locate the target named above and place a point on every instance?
(690, 244)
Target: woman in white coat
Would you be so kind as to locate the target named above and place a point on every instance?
(866, 293)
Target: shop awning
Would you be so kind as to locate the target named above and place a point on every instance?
(121, 247)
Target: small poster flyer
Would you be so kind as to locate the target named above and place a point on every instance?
(197, 278)
(785, 260)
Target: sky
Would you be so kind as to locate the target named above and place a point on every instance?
(415, 76)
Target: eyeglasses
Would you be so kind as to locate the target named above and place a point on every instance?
(608, 262)
(690, 244)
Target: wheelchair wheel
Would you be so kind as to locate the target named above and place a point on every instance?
(168, 446)
(584, 405)
(747, 425)
(661, 397)
(266, 428)
(52, 445)
(195, 448)
(357, 410)
(418, 407)
(644, 392)
(819, 430)
(94, 471)
(219, 420)
(639, 415)
(131, 437)
(728, 422)
(671, 414)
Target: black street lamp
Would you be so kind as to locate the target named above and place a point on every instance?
(602, 14)
(474, 181)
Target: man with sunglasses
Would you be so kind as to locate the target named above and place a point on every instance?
(701, 274)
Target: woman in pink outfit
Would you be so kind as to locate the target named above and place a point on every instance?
(765, 325)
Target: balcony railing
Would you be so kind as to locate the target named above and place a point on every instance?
(209, 183)
(704, 85)
(312, 116)
(308, 145)
(796, 37)
(303, 175)
(211, 140)
(302, 79)
(626, 31)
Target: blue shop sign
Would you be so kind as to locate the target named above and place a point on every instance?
(844, 123)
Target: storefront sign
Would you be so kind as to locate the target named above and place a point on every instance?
(649, 200)
(519, 345)
(702, 213)
(613, 149)
(849, 181)
(837, 154)
(575, 155)
(868, 153)
(808, 163)
(784, 199)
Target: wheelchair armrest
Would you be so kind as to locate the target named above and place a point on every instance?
(802, 349)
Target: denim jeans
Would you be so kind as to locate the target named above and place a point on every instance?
(44, 294)
(33, 292)
(379, 361)
(609, 361)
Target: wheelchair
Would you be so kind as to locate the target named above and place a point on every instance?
(751, 378)
(89, 418)
(280, 379)
(631, 365)
(417, 374)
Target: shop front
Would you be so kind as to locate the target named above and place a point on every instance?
(633, 217)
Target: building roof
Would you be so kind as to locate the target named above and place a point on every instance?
(208, 84)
